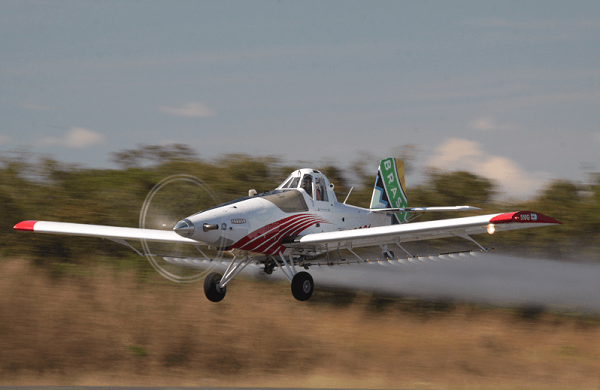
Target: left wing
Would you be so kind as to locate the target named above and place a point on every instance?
(110, 232)
(456, 227)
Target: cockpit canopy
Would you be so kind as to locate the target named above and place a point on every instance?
(312, 181)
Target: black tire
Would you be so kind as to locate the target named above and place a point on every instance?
(269, 268)
(302, 286)
(212, 292)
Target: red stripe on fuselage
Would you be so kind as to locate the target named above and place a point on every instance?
(268, 238)
(297, 227)
(267, 229)
(280, 248)
(261, 244)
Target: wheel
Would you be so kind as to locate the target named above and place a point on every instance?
(269, 268)
(211, 290)
(388, 255)
(302, 286)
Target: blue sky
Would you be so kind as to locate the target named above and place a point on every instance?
(507, 89)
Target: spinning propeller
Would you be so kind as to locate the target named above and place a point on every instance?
(170, 200)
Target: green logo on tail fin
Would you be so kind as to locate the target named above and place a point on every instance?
(389, 188)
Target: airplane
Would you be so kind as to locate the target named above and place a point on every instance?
(300, 224)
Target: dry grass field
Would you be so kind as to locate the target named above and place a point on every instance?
(106, 328)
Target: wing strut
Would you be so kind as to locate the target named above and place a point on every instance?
(123, 242)
(467, 237)
(400, 246)
(351, 251)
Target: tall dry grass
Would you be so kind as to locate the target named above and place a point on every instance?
(105, 328)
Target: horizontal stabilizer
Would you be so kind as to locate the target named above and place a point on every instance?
(424, 209)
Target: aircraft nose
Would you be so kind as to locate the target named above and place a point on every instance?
(184, 228)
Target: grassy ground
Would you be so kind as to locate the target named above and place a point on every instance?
(105, 328)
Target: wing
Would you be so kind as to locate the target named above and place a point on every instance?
(456, 227)
(114, 233)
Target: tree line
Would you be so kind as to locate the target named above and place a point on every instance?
(46, 189)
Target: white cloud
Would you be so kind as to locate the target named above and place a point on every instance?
(76, 137)
(488, 123)
(191, 109)
(460, 154)
(80, 137)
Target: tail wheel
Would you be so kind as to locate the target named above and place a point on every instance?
(302, 286)
(213, 292)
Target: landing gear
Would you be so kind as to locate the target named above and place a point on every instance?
(302, 286)
(269, 267)
(387, 254)
(302, 283)
(215, 284)
(212, 289)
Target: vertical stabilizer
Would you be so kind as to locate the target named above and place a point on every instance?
(389, 188)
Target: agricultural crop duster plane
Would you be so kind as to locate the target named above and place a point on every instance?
(300, 223)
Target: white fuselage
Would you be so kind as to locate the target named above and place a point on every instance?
(260, 223)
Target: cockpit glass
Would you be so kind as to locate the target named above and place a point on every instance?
(286, 182)
(306, 184)
(294, 183)
(291, 181)
(321, 189)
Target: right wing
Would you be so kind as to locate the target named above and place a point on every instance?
(114, 233)
(416, 231)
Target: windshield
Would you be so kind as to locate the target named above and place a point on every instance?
(288, 201)
(291, 181)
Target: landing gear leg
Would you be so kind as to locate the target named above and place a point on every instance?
(215, 284)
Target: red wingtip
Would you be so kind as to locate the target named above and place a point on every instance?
(523, 217)
(26, 226)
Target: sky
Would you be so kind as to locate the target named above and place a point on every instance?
(509, 90)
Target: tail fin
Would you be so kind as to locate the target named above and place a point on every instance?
(389, 188)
